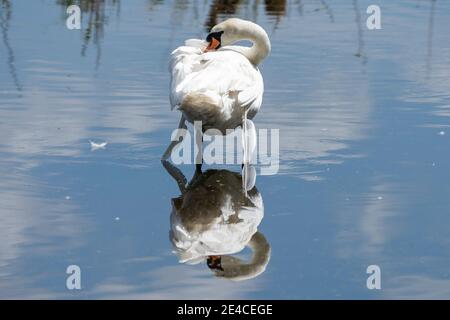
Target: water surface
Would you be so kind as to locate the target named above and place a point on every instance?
(364, 151)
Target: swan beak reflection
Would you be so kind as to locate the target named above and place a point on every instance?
(214, 262)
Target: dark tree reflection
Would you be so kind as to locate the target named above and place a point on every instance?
(430, 36)
(359, 25)
(220, 7)
(274, 8)
(5, 18)
(94, 12)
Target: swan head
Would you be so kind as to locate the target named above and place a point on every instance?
(214, 40)
(233, 30)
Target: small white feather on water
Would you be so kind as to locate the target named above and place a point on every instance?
(97, 146)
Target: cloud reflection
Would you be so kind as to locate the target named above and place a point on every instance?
(175, 282)
(33, 226)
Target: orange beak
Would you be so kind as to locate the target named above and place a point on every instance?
(213, 45)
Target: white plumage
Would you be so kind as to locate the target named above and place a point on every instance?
(221, 236)
(218, 83)
(214, 87)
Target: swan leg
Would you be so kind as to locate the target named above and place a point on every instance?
(168, 152)
(249, 140)
(244, 140)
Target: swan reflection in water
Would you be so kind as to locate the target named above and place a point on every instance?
(216, 216)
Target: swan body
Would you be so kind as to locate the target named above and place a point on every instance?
(215, 87)
(218, 87)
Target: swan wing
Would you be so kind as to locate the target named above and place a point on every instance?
(183, 61)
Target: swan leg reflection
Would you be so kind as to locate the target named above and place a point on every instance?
(175, 173)
(179, 177)
(199, 156)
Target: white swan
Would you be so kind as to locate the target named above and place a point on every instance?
(219, 83)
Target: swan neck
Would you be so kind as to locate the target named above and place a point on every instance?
(261, 44)
(258, 52)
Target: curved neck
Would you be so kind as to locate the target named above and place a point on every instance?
(261, 43)
(238, 270)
